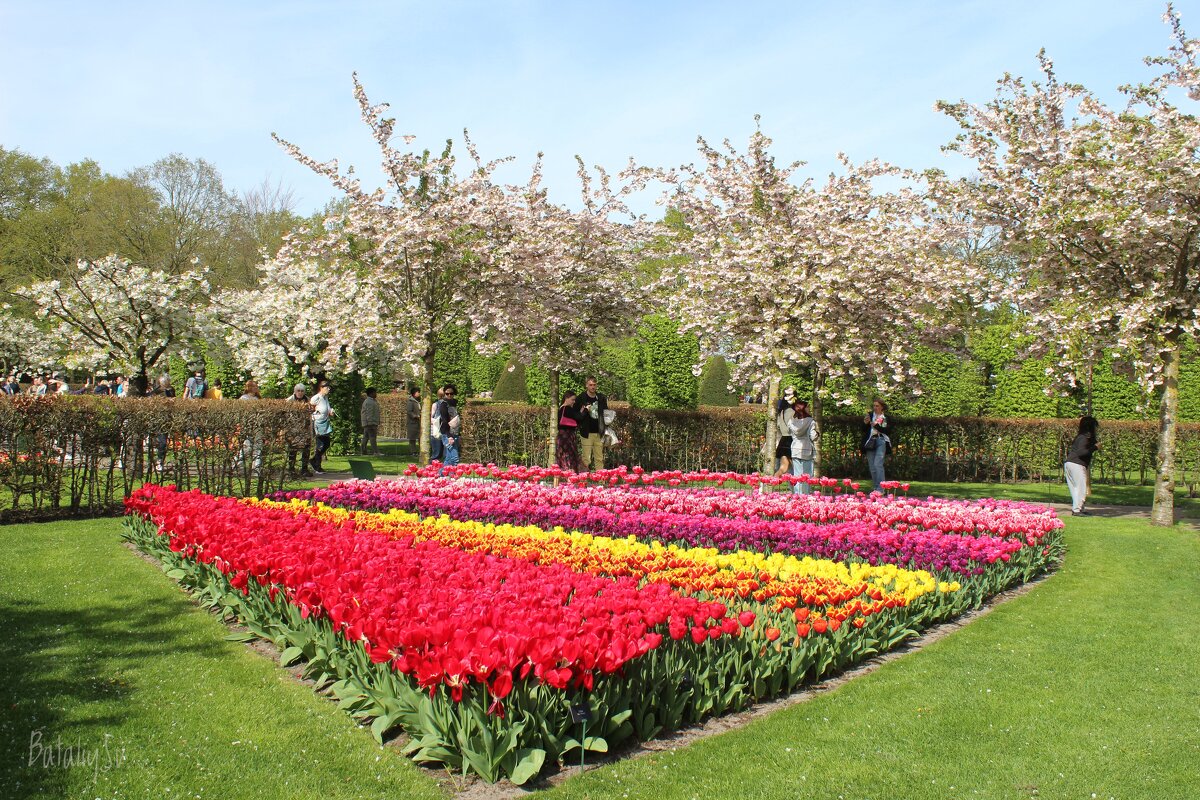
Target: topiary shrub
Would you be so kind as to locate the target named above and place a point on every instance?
(714, 383)
(510, 384)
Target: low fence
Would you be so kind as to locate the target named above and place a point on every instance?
(81, 456)
(967, 449)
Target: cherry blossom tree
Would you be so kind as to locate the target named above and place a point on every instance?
(295, 318)
(415, 246)
(843, 277)
(1103, 204)
(560, 278)
(24, 347)
(117, 315)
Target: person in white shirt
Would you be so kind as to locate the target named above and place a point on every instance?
(804, 432)
(322, 417)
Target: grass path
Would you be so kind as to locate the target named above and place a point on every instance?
(98, 643)
(1087, 685)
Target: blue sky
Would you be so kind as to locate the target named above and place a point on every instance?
(126, 83)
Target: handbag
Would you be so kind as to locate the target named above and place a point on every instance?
(871, 443)
(567, 422)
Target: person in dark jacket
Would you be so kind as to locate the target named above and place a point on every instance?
(566, 446)
(449, 423)
(592, 405)
(877, 442)
(1079, 462)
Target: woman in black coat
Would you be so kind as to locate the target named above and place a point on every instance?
(877, 442)
(1079, 462)
(566, 445)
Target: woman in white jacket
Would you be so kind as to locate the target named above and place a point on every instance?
(804, 435)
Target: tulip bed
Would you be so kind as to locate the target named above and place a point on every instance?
(998, 543)
(507, 626)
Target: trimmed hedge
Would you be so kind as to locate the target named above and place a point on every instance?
(970, 449)
(81, 456)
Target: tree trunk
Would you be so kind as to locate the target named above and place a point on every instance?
(1163, 512)
(551, 458)
(427, 399)
(772, 430)
(139, 384)
(818, 412)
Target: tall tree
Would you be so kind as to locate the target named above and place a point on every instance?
(289, 322)
(416, 244)
(841, 278)
(1104, 204)
(560, 279)
(194, 212)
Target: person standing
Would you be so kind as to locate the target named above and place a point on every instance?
(165, 389)
(214, 392)
(566, 444)
(591, 405)
(435, 428)
(38, 387)
(122, 386)
(322, 417)
(196, 386)
(369, 415)
(784, 413)
(877, 442)
(804, 436)
(1078, 465)
(304, 450)
(413, 420)
(252, 448)
(449, 424)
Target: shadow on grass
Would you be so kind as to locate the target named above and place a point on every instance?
(67, 679)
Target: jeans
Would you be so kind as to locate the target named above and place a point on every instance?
(1077, 478)
(875, 464)
(802, 466)
(450, 445)
(323, 440)
(435, 447)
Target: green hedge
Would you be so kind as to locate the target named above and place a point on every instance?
(970, 449)
(81, 456)
(662, 360)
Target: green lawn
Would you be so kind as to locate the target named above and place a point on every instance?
(395, 457)
(1088, 684)
(104, 653)
(1086, 687)
(1056, 493)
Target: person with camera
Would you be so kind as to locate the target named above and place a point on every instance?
(877, 442)
(591, 405)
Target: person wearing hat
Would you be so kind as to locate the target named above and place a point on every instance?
(300, 395)
(60, 385)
